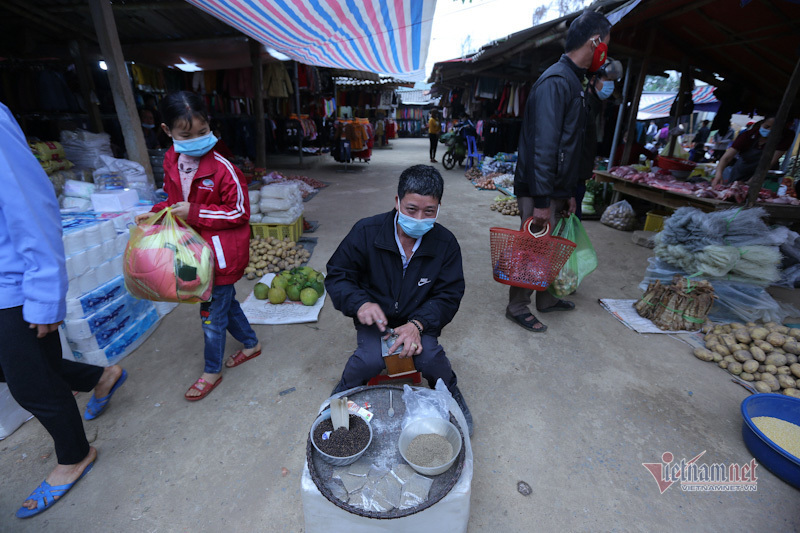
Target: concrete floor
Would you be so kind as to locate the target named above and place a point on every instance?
(573, 412)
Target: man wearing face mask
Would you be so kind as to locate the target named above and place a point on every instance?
(400, 270)
(551, 145)
(749, 146)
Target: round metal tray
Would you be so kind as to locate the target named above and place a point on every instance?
(386, 433)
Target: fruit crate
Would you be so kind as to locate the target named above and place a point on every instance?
(655, 220)
(279, 231)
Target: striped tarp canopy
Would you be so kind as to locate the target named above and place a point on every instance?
(388, 37)
(701, 95)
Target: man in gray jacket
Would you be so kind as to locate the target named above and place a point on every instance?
(550, 147)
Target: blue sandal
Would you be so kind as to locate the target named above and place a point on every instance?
(96, 405)
(45, 495)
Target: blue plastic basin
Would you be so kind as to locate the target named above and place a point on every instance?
(777, 460)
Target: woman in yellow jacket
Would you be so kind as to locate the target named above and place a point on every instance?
(434, 128)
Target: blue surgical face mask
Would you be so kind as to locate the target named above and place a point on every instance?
(606, 91)
(197, 147)
(415, 227)
(763, 131)
(148, 126)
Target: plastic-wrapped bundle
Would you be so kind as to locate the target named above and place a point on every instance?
(736, 301)
(752, 264)
(695, 229)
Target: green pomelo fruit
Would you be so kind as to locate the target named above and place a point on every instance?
(261, 291)
(293, 292)
(309, 296)
(277, 295)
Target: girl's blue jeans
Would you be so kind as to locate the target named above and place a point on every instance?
(220, 315)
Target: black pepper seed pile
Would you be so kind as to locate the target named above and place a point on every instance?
(342, 443)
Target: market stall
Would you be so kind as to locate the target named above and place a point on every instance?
(673, 198)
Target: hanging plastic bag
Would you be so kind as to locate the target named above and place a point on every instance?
(167, 261)
(620, 216)
(581, 263)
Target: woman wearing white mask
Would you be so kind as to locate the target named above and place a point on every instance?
(748, 147)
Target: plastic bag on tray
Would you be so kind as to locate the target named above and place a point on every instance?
(581, 263)
(426, 403)
(167, 261)
(620, 216)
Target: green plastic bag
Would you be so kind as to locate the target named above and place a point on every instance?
(580, 264)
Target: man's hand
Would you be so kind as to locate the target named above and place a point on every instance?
(371, 313)
(181, 209)
(541, 216)
(408, 336)
(572, 206)
(44, 329)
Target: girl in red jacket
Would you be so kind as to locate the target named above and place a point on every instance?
(208, 192)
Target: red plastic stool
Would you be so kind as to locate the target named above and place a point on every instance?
(416, 378)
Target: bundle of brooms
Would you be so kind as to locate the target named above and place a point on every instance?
(683, 305)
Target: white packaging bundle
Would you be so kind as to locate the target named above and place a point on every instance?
(105, 272)
(109, 249)
(124, 343)
(121, 242)
(78, 264)
(255, 208)
(283, 190)
(107, 230)
(95, 254)
(255, 196)
(78, 204)
(84, 148)
(268, 205)
(257, 218)
(87, 282)
(74, 240)
(78, 189)
(285, 217)
(164, 308)
(84, 305)
(91, 234)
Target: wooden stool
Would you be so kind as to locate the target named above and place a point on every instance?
(416, 378)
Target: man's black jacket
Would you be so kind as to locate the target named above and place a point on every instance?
(367, 267)
(553, 134)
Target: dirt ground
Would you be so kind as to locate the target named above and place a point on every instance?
(573, 412)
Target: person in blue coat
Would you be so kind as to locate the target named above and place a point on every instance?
(400, 270)
(33, 287)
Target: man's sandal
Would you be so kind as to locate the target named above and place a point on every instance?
(204, 391)
(239, 357)
(530, 325)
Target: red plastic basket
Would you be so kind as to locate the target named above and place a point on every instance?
(525, 259)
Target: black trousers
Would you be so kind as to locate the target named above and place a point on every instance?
(42, 383)
(434, 138)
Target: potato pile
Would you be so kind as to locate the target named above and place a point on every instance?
(764, 354)
(506, 206)
(268, 254)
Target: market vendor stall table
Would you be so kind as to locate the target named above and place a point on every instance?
(674, 200)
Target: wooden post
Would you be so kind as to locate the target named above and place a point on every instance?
(637, 95)
(77, 50)
(774, 136)
(682, 88)
(621, 113)
(297, 110)
(121, 88)
(258, 89)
